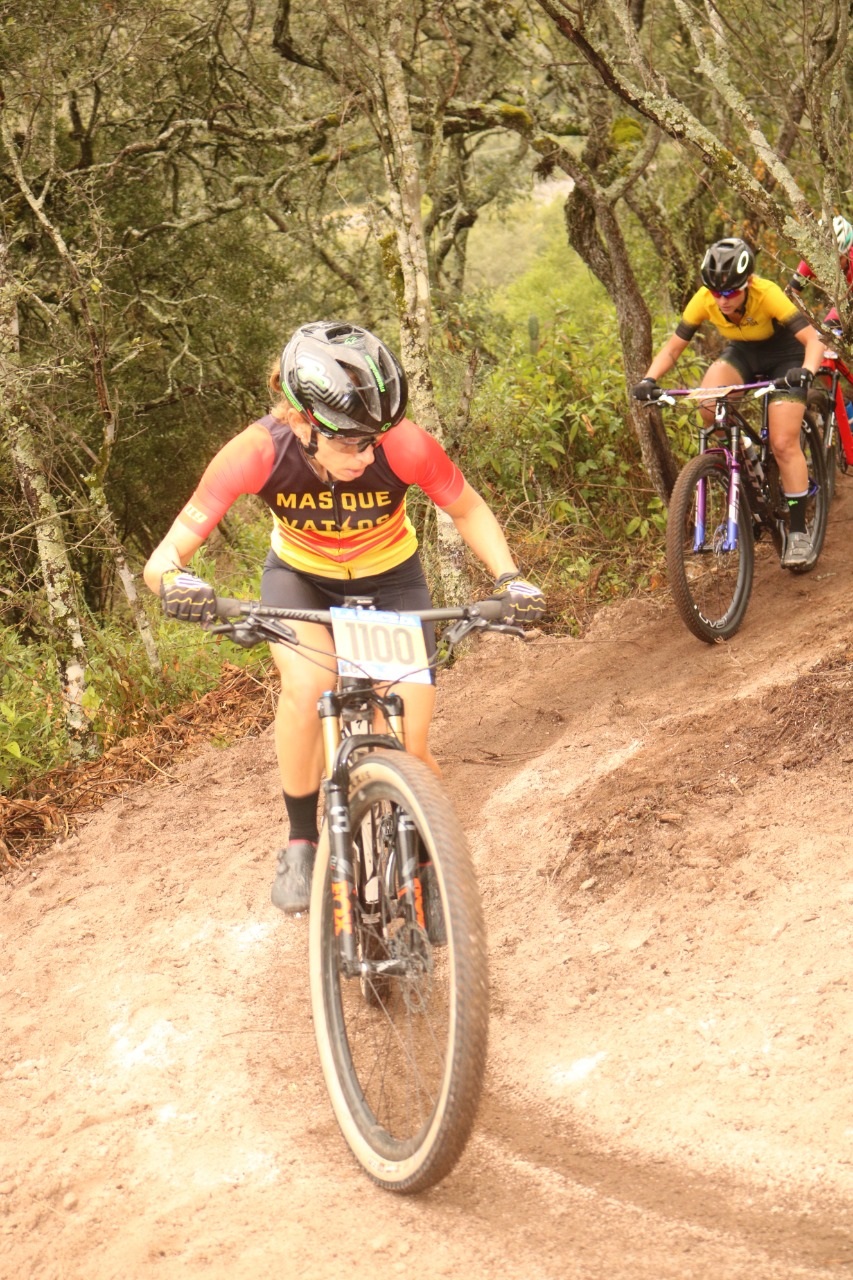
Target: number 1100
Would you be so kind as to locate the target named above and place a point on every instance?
(378, 643)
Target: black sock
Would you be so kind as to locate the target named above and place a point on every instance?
(302, 815)
(796, 512)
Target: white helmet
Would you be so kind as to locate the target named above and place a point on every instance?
(843, 233)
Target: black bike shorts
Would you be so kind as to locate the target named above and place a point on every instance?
(770, 358)
(398, 590)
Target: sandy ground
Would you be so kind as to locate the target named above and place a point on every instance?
(662, 833)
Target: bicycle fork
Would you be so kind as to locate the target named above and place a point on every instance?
(729, 539)
(343, 878)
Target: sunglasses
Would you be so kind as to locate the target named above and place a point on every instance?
(343, 441)
(346, 442)
(724, 293)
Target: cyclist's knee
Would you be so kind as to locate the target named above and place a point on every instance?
(298, 700)
(422, 751)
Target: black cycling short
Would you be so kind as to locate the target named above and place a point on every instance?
(770, 358)
(398, 590)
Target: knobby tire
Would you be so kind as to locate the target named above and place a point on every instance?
(403, 1056)
(711, 587)
(822, 413)
(817, 512)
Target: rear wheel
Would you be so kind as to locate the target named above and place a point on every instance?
(822, 414)
(817, 511)
(831, 454)
(402, 1041)
(710, 580)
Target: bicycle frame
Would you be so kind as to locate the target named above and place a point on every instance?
(729, 421)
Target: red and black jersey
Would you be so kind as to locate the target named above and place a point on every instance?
(335, 529)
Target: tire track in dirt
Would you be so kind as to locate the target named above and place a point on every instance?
(667, 1092)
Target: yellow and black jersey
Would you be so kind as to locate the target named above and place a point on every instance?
(767, 311)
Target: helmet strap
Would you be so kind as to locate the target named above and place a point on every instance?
(311, 447)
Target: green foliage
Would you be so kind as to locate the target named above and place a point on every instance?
(551, 429)
(123, 696)
(550, 445)
(522, 261)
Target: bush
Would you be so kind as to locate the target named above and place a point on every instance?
(122, 694)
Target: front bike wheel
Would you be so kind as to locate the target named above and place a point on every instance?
(402, 1042)
(710, 581)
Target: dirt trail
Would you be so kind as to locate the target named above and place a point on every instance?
(662, 832)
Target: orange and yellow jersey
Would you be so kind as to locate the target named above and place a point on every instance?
(333, 529)
(767, 311)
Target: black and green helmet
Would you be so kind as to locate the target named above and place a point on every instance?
(344, 377)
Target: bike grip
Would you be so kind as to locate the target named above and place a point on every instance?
(491, 610)
(226, 607)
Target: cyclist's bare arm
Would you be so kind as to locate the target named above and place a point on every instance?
(814, 345)
(177, 549)
(667, 357)
(481, 531)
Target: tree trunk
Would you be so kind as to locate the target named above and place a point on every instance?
(404, 195)
(68, 646)
(609, 261)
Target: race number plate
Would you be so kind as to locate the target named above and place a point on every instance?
(384, 646)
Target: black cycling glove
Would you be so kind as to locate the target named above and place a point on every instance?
(648, 389)
(797, 379)
(187, 597)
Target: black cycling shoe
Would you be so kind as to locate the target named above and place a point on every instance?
(291, 890)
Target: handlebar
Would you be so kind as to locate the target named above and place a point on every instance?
(248, 622)
(226, 607)
(712, 393)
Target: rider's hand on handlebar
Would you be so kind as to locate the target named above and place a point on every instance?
(522, 601)
(794, 378)
(648, 389)
(187, 597)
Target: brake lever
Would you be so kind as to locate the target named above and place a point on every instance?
(248, 632)
(509, 629)
(457, 631)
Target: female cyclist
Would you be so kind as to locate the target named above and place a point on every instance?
(766, 337)
(333, 461)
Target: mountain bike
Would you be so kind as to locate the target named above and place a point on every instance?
(827, 396)
(725, 499)
(397, 947)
